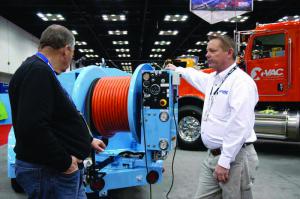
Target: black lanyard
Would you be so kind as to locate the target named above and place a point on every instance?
(229, 73)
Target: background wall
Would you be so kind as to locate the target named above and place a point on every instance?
(15, 46)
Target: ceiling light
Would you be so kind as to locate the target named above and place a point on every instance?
(187, 55)
(105, 17)
(40, 15)
(162, 43)
(168, 32)
(85, 50)
(175, 18)
(167, 18)
(158, 50)
(237, 19)
(91, 55)
(122, 50)
(50, 17)
(201, 43)
(122, 17)
(155, 55)
(74, 32)
(126, 63)
(117, 32)
(113, 17)
(194, 50)
(124, 55)
(120, 42)
(215, 33)
(289, 18)
(81, 43)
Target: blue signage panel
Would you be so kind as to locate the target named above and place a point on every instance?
(3, 87)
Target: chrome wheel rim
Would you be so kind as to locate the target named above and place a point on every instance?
(189, 128)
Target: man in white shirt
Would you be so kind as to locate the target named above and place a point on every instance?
(227, 123)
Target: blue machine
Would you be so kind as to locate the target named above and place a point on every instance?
(134, 158)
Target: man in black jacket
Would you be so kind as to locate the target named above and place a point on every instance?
(52, 138)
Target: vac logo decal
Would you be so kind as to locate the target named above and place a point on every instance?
(257, 73)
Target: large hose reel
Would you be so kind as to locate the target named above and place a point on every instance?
(113, 99)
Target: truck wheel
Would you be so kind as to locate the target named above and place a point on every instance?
(189, 125)
(15, 186)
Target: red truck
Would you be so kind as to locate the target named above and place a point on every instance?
(271, 57)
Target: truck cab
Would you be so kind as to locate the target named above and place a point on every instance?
(270, 55)
(271, 59)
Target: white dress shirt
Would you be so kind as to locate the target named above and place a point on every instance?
(228, 116)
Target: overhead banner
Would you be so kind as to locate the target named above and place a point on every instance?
(214, 11)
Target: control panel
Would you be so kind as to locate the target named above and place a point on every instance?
(156, 89)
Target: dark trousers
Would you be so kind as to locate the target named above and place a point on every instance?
(41, 182)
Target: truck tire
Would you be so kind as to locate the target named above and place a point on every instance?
(15, 186)
(189, 125)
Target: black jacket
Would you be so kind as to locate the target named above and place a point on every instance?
(47, 126)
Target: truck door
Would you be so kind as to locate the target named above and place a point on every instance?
(267, 62)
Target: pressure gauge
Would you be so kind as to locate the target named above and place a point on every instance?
(146, 76)
(164, 116)
(163, 144)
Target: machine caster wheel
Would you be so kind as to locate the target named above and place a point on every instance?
(15, 186)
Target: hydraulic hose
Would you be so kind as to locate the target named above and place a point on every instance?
(109, 105)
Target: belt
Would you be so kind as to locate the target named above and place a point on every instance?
(216, 152)
(247, 144)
